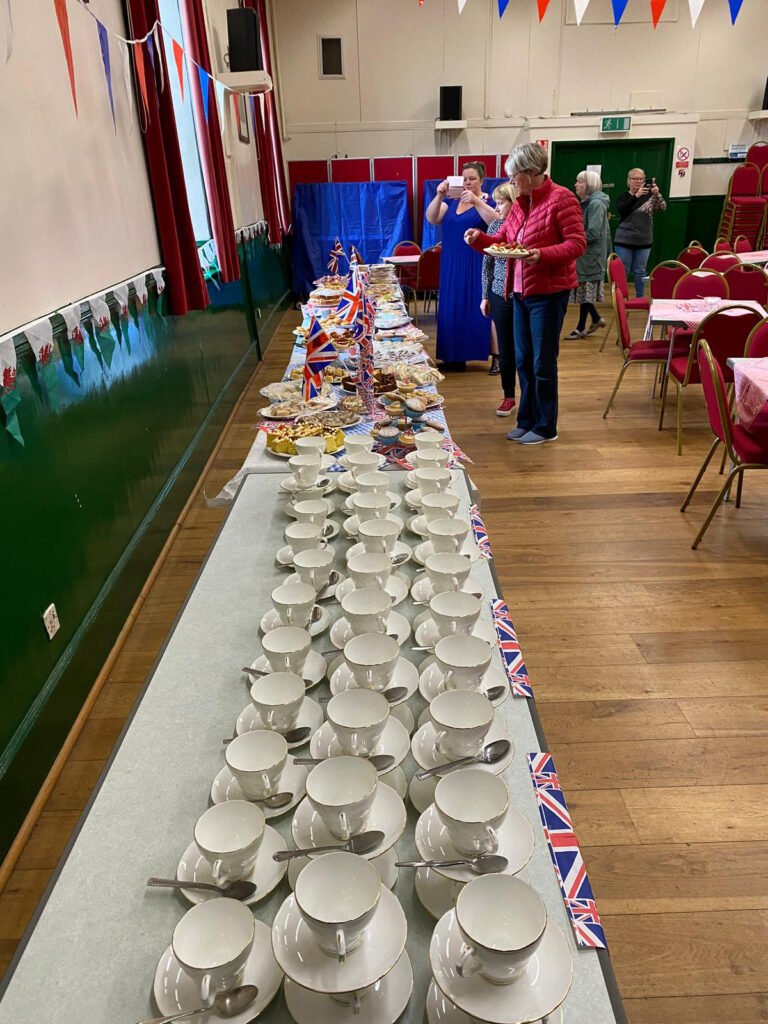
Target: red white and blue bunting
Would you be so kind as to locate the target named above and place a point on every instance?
(619, 7)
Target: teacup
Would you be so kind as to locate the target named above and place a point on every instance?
(257, 759)
(212, 943)
(448, 572)
(358, 718)
(370, 570)
(342, 790)
(371, 506)
(314, 492)
(358, 442)
(305, 469)
(359, 463)
(229, 836)
(278, 698)
(502, 921)
(430, 458)
(314, 567)
(337, 895)
(379, 535)
(461, 720)
(463, 661)
(372, 658)
(428, 439)
(443, 505)
(432, 481)
(286, 648)
(310, 446)
(455, 613)
(373, 483)
(447, 535)
(366, 610)
(472, 804)
(304, 536)
(294, 603)
(315, 511)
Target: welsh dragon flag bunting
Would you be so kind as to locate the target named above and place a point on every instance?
(40, 338)
(9, 396)
(63, 19)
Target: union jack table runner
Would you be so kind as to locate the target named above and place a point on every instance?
(479, 531)
(456, 454)
(509, 646)
(565, 853)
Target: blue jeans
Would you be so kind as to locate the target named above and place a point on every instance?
(538, 322)
(635, 261)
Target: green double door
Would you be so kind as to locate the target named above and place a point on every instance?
(615, 159)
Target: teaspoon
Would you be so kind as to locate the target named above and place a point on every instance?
(292, 736)
(490, 754)
(362, 843)
(483, 864)
(226, 1005)
(235, 890)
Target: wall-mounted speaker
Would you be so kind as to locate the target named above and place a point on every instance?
(244, 41)
(450, 103)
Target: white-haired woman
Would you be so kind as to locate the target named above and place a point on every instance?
(590, 268)
(546, 220)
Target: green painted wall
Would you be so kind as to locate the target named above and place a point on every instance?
(111, 455)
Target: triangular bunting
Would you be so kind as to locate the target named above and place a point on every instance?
(205, 89)
(128, 79)
(63, 19)
(138, 56)
(140, 287)
(657, 9)
(157, 56)
(6, 19)
(178, 56)
(236, 104)
(580, 6)
(121, 294)
(695, 6)
(542, 6)
(462, 4)
(104, 44)
(619, 6)
(40, 338)
(9, 396)
(220, 91)
(503, 4)
(735, 6)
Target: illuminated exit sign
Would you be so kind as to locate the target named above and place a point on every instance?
(609, 125)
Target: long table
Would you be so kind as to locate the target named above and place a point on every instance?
(90, 953)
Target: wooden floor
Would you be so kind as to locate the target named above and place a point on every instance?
(649, 662)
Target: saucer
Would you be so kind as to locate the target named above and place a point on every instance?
(404, 715)
(421, 792)
(423, 551)
(431, 681)
(437, 894)
(326, 461)
(395, 500)
(413, 500)
(397, 626)
(175, 992)
(395, 778)
(384, 864)
(382, 460)
(266, 873)
(397, 588)
(310, 716)
(326, 592)
(312, 673)
(352, 525)
(401, 553)
(426, 754)
(515, 835)
(417, 525)
(539, 990)
(381, 1004)
(293, 780)
(422, 591)
(304, 962)
(291, 485)
(441, 1010)
(405, 674)
(394, 740)
(427, 634)
(387, 816)
(271, 620)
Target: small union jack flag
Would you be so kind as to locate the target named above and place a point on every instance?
(337, 252)
(320, 349)
(312, 385)
(480, 532)
(350, 307)
(565, 852)
(355, 257)
(510, 649)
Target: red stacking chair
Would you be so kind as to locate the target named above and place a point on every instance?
(617, 275)
(428, 276)
(742, 243)
(757, 154)
(406, 275)
(636, 353)
(693, 255)
(744, 449)
(722, 245)
(700, 284)
(726, 332)
(664, 277)
(747, 281)
(721, 261)
(757, 348)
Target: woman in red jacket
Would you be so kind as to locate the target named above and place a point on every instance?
(546, 220)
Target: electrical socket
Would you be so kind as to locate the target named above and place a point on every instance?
(51, 621)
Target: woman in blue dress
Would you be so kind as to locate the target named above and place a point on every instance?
(463, 333)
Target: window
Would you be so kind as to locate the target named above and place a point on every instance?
(331, 65)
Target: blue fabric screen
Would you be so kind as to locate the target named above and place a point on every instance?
(431, 234)
(372, 215)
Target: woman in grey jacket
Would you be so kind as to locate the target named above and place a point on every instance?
(634, 235)
(590, 268)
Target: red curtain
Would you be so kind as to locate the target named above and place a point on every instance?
(186, 287)
(272, 170)
(209, 136)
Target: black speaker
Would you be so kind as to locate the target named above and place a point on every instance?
(450, 103)
(244, 42)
